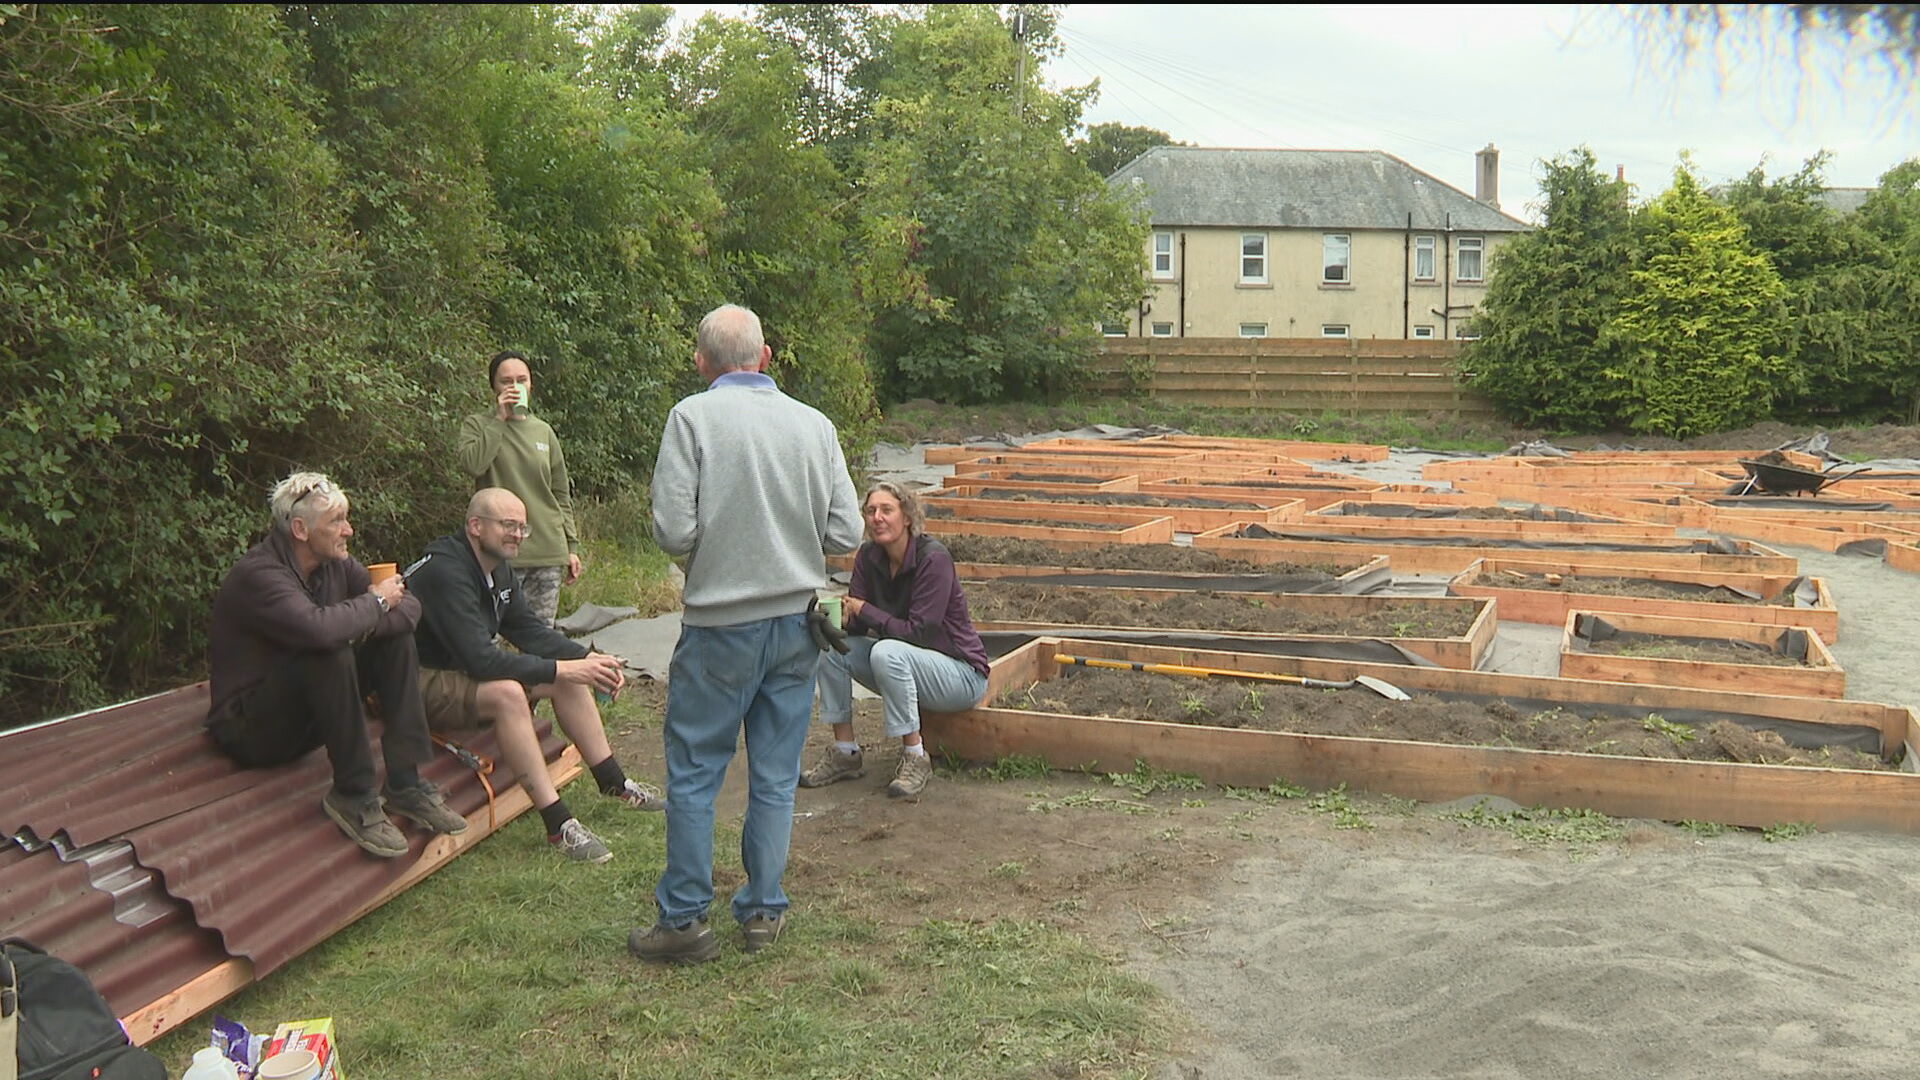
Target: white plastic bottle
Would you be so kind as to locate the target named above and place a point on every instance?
(210, 1064)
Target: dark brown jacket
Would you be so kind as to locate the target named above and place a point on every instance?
(264, 613)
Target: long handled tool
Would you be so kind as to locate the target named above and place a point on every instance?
(1379, 686)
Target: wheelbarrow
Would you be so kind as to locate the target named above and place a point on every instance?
(1776, 479)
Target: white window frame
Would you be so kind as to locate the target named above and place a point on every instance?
(1262, 329)
(1114, 328)
(1327, 264)
(1464, 331)
(1423, 332)
(1163, 259)
(1245, 258)
(1336, 330)
(1425, 246)
(1158, 330)
(1479, 249)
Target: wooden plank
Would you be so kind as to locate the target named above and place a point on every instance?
(1157, 531)
(1185, 518)
(1550, 606)
(1821, 677)
(1091, 513)
(1755, 796)
(1904, 555)
(1433, 559)
(1004, 478)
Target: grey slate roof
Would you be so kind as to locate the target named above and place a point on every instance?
(1301, 189)
(1846, 200)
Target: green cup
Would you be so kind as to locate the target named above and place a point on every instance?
(523, 406)
(831, 605)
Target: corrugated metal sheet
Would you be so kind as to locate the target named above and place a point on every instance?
(130, 846)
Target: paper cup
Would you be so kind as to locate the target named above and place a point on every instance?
(289, 1065)
(381, 571)
(832, 606)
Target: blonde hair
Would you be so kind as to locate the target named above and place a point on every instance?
(909, 504)
(305, 495)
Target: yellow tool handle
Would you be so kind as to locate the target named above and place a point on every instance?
(1176, 669)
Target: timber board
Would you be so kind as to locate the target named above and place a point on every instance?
(1821, 677)
(1550, 606)
(1157, 531)
(1754, 796)
(1904, 555)
(1352, 575)
(1434, 559)
(1185, 518)
(1004, 478)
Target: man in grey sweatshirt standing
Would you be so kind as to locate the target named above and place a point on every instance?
(751, 487)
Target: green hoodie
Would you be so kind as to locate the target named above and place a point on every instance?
(524, 457)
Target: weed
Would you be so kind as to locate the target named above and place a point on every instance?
(1337, 802)
(1254, 702)
(1273, 792)
(1144, 780)
(1702, 828)
(1087, 800)
(1677, 734)
(1787, 830)
(1403, 629)
(1193, 704)
(1577, 829)
(1009, 870)
(1018, 767)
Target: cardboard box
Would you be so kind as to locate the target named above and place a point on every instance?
(314, 1035)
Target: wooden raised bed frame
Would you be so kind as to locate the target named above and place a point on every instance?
(1465, 652)
(1756, 796)
(1000, 478)
(1822, 677)
(1423, 559)
(1157, 530)
(1187, 519)
(1904, 555)
(1377, 565)
(1550, 606)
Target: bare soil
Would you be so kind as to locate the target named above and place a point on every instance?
(944, 513)
(1058, 478)
(1013, 551)
(1426, 718)
(1705, 650)
(1613, 586)
(1011, 601)
(1113, 498)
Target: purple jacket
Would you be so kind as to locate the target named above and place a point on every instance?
(921, 605)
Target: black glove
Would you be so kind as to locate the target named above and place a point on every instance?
(825, 635)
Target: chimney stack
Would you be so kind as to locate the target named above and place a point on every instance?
(1486, 176)
(1619, 174)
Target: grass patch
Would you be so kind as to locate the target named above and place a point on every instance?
(1144, 780)
(1579, 830)
(1787, 830)
(1337, 803)
(623, 568)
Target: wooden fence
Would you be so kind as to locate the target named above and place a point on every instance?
(1306, 375)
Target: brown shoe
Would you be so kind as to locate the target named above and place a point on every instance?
(365, 822)
(912, 776)
(833, 767)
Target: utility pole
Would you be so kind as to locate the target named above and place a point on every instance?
(1020, 68)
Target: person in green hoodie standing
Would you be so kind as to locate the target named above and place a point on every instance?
(513, 449)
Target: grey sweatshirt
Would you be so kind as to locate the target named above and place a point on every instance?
(752, 487)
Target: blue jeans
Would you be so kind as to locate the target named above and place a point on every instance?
(907, 677)
(759, 674)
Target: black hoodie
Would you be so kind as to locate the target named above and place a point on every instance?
(460, 614)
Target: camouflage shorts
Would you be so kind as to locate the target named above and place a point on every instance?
(541, 586)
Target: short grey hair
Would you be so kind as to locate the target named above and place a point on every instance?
(305, 495)
(910, 508)
(730, 338)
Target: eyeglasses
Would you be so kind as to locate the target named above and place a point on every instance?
(511, 528)
(323, 489)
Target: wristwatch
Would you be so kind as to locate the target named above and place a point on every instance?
(382, 601)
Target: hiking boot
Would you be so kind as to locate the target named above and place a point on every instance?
(694, 943)
(365, 823)
(834, 767)
(911, 779)
(576, 843)
(762, 930)
(424, 805)
(641, 796)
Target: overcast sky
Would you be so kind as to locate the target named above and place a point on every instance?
(1432, 84)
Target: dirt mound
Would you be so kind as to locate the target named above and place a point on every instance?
(1016, 552)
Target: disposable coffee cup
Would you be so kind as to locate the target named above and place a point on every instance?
(289, 1065)
(381, 571)
(832, 606)
(523, 405)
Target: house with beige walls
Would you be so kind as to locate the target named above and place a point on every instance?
(1310, 243)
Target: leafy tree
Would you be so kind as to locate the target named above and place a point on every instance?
(1891, 218)
(835, 46)
(991, 254)
(1542, 347)
(1699, 327)
(1106, 147)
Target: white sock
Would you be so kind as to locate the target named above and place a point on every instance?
(916, 749)
(847, 748)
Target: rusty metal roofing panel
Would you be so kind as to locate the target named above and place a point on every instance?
(130, 846)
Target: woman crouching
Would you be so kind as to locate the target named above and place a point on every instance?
(910, 641)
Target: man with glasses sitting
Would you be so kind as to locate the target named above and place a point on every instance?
(300, 636)
(470, 596)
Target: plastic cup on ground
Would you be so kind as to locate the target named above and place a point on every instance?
(381, 571)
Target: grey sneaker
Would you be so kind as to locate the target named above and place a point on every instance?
(911, 778)
(834, 767)
(694, 943)
(365, 823)
(424, 805)
(641, 796)
(762, 930)
(576, 843)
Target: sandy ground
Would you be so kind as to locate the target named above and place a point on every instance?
(1420, 947)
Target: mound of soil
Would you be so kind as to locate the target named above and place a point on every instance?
(1012, 551)
(1058, 478)
(1613, 586)
(1011, 601)
(1113, 498)
(1358, 712)
(945, 513)
(1706, 650)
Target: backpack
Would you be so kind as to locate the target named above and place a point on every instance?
(63, 1027)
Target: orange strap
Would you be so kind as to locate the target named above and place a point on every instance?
(481, 767)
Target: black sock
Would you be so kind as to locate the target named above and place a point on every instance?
(555, 815)
(608, 775)
(402, 779)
